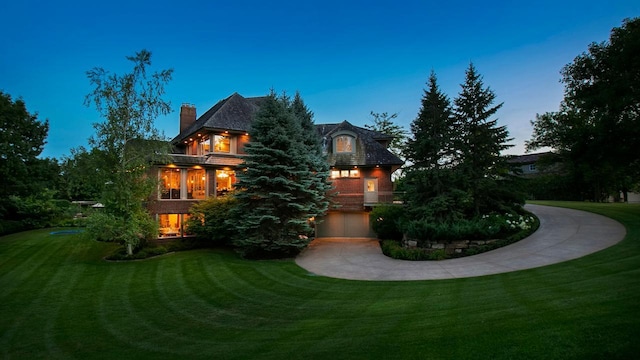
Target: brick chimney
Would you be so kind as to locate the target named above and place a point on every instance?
(187, 116)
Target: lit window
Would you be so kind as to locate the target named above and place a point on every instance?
(355, 173)
(344, 144)
(204, 146)
(196, 181)
(222, 143)
(371, 186)
(225, 180)
(170, 183)
(172, 225)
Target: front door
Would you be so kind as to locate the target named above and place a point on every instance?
(370, 190)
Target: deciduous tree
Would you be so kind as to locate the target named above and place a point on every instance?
(383, 123)
(129, 104)
(597, 128)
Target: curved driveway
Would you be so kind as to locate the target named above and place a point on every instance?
(563, 235)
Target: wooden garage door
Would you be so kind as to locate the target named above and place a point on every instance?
(345, 224)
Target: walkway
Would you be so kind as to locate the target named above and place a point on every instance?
(563, 235)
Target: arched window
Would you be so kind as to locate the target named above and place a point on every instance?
(345, 144)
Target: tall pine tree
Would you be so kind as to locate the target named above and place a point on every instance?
(480, 141)
(316, 160)
(432, 185)
(431, 145)
(279, 187)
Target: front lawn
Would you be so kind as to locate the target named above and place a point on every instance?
(60, 299)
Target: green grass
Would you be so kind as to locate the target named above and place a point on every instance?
(59, 299)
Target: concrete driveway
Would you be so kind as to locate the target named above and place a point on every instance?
(564, 234)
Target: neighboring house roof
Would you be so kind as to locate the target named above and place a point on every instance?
(527, 158)
(368, 151)
(234, 113)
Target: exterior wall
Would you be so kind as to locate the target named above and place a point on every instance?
(170, 206)
(350, 191)
(242, 140)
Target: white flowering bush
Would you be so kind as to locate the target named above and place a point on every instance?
(487, 227)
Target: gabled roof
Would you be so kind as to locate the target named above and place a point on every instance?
(369, 151)
(527, 158)
(234, 113)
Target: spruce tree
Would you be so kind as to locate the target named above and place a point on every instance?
(432, 186)
(278, 188)
(431, 145)
(316, 160)
(480, 141)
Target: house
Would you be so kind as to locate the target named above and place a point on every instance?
(209, 148)
(527, 164)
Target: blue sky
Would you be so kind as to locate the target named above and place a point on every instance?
(347, 58)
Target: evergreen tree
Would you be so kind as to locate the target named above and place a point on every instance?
(317, 161)
(278, 188)
(431, 145)
(432, 185)
(480, 141)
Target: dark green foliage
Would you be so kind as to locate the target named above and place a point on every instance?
(458, 172)
(479, 143)
(29, 182)
(437, 195)
(386, 221)
(83, 174)
(283, 183)
(432, 144)
(394, 250)
(208, 220)
(134, 232)
(596, 131)
(22, 139)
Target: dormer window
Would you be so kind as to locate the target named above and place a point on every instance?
(344, 144)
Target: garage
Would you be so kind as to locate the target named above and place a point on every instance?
(345, 224)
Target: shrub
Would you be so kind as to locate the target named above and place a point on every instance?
(134, 232)
(385, 221)
(208, 218)
(394, 250)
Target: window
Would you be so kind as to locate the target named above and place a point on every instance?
(177, 183)
(222, 143)
(172, 225)
(355, 173)
(170, 182)
(196, 184)
(225, 180)
(344, 144)
(532, 167)
(204, 146)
